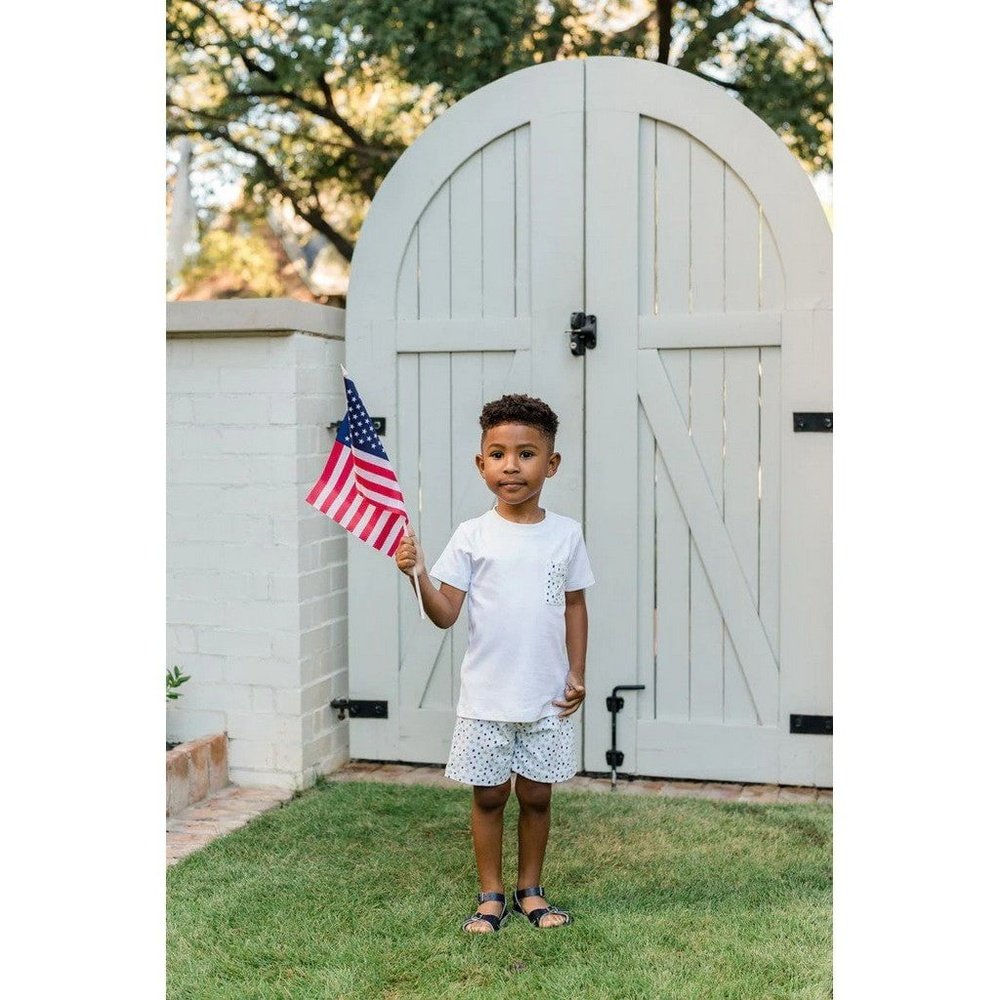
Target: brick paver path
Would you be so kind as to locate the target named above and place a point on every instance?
(222, 812)
(234, 807)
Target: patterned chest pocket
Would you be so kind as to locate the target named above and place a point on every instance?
(555, 583)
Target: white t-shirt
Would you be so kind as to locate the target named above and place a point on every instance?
(515, 577)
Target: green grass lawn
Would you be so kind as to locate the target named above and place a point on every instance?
(358, 890)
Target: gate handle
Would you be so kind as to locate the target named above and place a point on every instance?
(582, 333)
(615, 704)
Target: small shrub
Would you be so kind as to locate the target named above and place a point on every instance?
(174, 680)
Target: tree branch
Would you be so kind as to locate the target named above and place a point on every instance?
(261, 11)
(334, 115)
(313, 216)
(248, 61)
(633, 31)
(175, 131)
(735, 87)
(207, 115)
(700, 44)
(664, 29)
(373, 152)
(330, 114)
(790, 28)
(820, 22)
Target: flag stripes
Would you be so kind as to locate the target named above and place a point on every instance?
(358, 488)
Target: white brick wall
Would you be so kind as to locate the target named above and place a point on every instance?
(256, 579)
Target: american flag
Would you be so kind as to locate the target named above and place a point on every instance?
(358, 488)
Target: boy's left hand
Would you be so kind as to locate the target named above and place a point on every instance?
(574, 694)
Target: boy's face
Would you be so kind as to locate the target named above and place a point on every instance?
(515, 461)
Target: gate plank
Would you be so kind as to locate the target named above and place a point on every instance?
(499, 221)
(522, 222)
(647, 214)
(435, 492)
(612, 414)
(466, 235)
(770, 493)
(374, 654)
(435, 257)
(673, 220)
(707, 230)
(707, 439)
(742, 419)
(466, 489)
(407, 465)
(673, 569)
(407, 300)
(742, 252)
(468, 495)
(741, 504)
(709, 533)
(554, 218)
(806, 541)
(646, 611)
(772, 277)
(708, 294)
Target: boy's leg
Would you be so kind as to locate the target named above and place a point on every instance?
(488, 802)
(535, 799)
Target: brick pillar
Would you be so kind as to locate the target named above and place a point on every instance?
(256, 579)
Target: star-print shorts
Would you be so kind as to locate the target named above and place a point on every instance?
(485, 752)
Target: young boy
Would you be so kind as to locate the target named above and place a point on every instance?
(524, 569)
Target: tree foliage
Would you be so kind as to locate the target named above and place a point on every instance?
(245, 257)
(314, 100)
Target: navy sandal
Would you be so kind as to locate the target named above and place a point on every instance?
(536, 914)
(491, 918)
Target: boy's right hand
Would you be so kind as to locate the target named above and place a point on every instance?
(410, 556)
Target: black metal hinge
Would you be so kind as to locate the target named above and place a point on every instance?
(359, 709)
(821, 725)
(822, 422)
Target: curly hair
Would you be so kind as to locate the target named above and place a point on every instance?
(520, 409)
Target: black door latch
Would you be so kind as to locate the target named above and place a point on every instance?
(582, 333)
(614, 756)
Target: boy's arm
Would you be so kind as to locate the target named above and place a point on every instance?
(442, 606)
(576, 650)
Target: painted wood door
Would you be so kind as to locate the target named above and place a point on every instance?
(470, 264)
(650, 199)
(707, 266)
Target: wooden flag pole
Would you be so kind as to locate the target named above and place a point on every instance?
(416, 581)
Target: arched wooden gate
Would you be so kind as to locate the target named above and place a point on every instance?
(650, 199)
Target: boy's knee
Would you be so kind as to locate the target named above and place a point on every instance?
(491, 797)
(535, 795)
